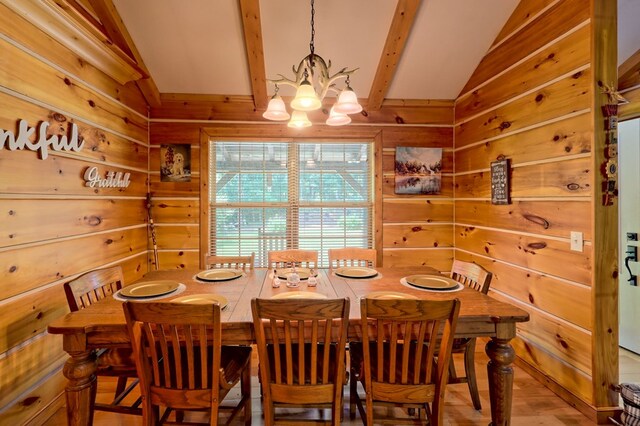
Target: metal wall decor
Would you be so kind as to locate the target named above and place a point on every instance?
(43, 142)
(609, 168)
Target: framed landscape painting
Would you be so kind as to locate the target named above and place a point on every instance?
(418, 170)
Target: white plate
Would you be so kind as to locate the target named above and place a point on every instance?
(299, 295)
(203, 299)
(432, 282)
(219, 274)
(150, 289)
(389, 295)
(356, 272)
(303, 273)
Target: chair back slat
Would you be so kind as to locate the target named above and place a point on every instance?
(173, 343)
(232, 262)
(288, 258)
(312, 336)
(352, 256)
(410, 337)
(471, 275)
(92, 287)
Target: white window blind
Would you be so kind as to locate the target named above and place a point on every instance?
(278, 195)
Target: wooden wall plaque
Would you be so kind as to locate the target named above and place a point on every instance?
(500, 182)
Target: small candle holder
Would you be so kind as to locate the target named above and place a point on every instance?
(313, 280)
(276, 281)
(293, 279)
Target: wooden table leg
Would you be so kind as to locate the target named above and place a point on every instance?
(81, 389)
(501, 355)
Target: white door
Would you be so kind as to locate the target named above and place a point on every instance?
(629, 187)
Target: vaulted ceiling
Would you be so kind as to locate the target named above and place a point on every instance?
(403, 49)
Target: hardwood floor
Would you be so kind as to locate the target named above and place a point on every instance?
(533, 404)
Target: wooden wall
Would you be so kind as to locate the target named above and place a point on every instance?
(412, 230)
(534, 100)
(52, 227)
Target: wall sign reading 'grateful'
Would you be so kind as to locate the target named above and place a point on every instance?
(111, 180)
(42, 143)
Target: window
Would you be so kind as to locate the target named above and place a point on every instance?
(278, 195)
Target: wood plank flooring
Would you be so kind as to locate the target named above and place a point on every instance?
(533, 404)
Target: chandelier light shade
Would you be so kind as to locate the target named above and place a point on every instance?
(306, 98)
(299, 120)
(313, 81)
(276, 110)
(347, 102)
(337, 119)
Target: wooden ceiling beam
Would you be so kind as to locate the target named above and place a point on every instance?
(252, 27)
(401, 24)
(629, 72)
(118, 34)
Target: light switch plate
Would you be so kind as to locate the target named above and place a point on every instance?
(576, 241)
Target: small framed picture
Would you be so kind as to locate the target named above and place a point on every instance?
(175, 163)
(418, 170)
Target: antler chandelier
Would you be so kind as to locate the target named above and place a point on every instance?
(313, 81)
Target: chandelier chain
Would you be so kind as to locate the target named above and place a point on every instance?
(313, 33)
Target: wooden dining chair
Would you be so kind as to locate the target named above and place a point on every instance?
(181, 361)
(476, 277)
(301, 347)
(352, 256)
(234, 262)
(286, 258)
(84, 291)
(403, 359)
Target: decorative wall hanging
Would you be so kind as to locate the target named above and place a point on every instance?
(500, 182)
(41, 143)
(112, 179)
(609, 168)
(418, 170)
(175, 163)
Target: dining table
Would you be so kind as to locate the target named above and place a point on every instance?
(103, 325)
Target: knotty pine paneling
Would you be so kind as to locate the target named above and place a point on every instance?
(553, 23)
(534, 100)
(23, 367)
(554, 369)
(564, 299)
(67, 257)
(177, 237)
(242, 108)
(100, 146)
(542, 254)
(544, 217)
(176, 211)
(568, 136)
(566, 96)
(174, 189)
(524, 11)
(176, 259)
(31, 403)
(22, 172)
(568, 178)
(23, 220)
(53, 227)
(565, 56)
(439, 259)
(22, 32)
(417, 235)
(66, 93)
(416, 210)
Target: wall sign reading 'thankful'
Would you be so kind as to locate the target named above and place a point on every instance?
(41, 143)
(111, 180)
